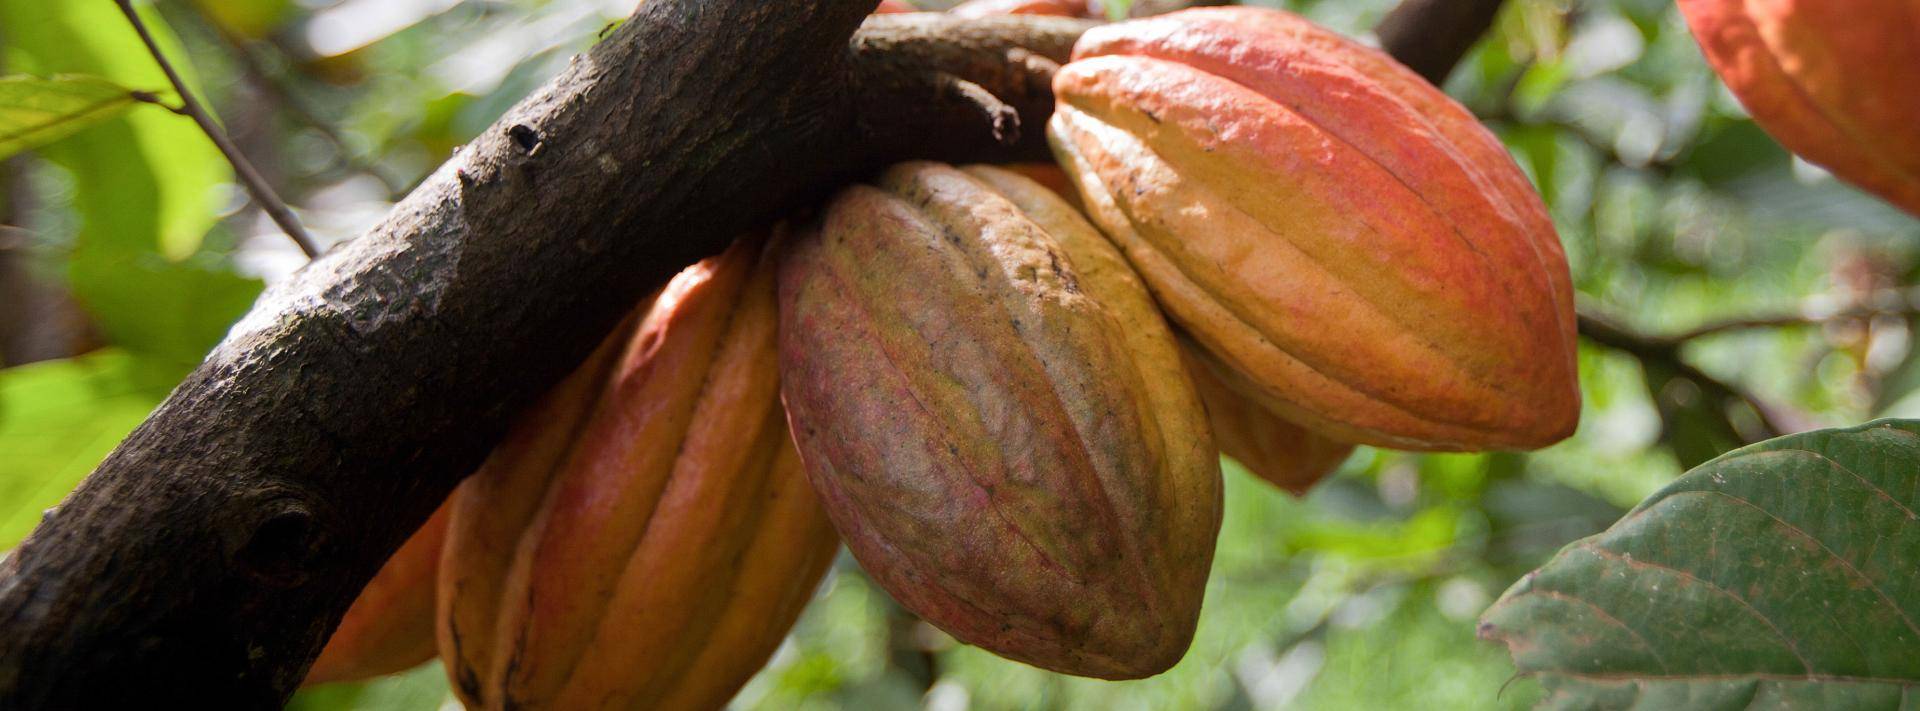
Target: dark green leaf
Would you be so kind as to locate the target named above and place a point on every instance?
(1776, 576)
(35, 111)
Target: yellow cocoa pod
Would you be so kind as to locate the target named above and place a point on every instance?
(1361, 255)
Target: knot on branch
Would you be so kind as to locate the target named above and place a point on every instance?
(285, 540)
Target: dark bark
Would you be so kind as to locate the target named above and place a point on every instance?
(1431, 36)
(208, 556)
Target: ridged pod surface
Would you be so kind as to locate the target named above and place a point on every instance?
(998, 422)
(389, 628)
(989, 8)
(1836, 82)
(1287, 455)
(647, 536)
(1359, 252)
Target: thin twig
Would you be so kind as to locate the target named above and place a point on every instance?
(1774, 419)
(1795, 320)
(256, 186)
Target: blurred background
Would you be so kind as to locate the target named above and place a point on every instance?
(1732, 293)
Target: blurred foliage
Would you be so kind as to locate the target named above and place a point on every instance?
(1674, 208)
(36, 111)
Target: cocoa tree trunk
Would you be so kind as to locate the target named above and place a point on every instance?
(206, 559)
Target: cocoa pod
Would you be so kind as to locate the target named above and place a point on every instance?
(648, 538)
(389, 628)
(990, 8)
(1049, 176)
(1287, 455)
(996, 419)
(1361, 255)
(888, 7)
(1834, 82)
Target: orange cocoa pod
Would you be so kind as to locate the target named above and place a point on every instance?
(996, 418)
(673, 541)
(389, 628)
(892, 6)
(491, 510)
(988, 8)
(1287, 455)
(1836, 82)
(1361, 255)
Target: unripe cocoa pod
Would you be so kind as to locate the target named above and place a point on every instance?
(1287, 455)
(1360, 254)
(1836, 82)
(997, 420)
(673, 540)
(988, 8)
(389, 628)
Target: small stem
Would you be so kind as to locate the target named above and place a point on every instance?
(1791, 321)
(256, 186)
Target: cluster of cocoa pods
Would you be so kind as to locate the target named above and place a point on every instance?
(1007, 390)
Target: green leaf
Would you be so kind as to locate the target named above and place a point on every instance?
(159, 160)
(144, 189)
(1775, 576)
(421, 688)
(35, 111)
(59, 419)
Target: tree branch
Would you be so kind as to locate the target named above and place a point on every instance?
(1774, 420)
(210, 554)
(1430, 36)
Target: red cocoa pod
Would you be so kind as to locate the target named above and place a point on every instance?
(988, 8)
(996, 419)
(389, 628)
(1361, 255)
(674, 538)
(1287, 455)
(1836, 82)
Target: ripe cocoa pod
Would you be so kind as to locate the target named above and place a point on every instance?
(1360, 253)
(988, 8)
(1832, 81)
(888, 7)
(671, 538)
(997, 420)
(1287, 455)
(389, 628)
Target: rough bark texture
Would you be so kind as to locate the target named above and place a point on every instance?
(207, 558)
